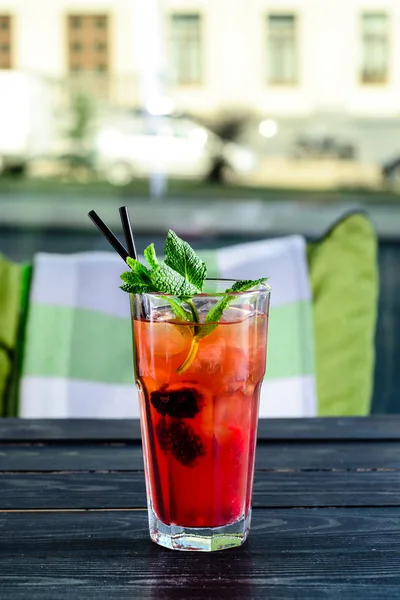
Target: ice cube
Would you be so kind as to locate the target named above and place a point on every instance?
(165, 339)
(231, 412)
(164, 313)
(210, 357)
(234, 315)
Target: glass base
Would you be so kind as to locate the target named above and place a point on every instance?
(206, 539)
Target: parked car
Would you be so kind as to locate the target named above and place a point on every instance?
(136, 145)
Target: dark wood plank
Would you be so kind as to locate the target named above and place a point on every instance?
(270, 456)
(56, 430)
(310, 554)
(386, 427)
(127, 490)
(72, 490)
(71, 458)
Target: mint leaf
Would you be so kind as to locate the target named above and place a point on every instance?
(168, 281)
(138, 271)
(150, 256)
(137, 280)
(181, 257)
(178, 308)
(215, 312)
(246, 284)
(135, 288)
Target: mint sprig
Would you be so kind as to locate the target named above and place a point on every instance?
(182, 276)
(183, 259)
(159, 278)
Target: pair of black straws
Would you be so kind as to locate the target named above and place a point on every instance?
(112, 238)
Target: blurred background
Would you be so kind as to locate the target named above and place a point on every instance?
(226, 120)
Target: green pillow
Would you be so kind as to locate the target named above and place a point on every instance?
(10, 286)
(12, 396)
(344, 279)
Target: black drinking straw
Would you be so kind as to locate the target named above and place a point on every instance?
(126, 226)
(108, 234)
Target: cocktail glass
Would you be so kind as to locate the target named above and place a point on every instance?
(199, 412)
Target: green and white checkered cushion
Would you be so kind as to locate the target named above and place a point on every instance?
(78, 347)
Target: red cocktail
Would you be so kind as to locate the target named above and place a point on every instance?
(199, 424)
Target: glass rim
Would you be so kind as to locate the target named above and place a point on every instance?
(261, 288)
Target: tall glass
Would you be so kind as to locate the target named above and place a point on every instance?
(199, 413)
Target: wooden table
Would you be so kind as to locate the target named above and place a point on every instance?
(326, 517)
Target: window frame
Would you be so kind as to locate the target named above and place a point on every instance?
(361, 37)
(272, 83)
(178, 82)
(75, 61)
(10, 40)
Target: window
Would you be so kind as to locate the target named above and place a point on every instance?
(101, 22)
(88, 43)
(282, 49)
(75, 22)
(186, 48)
(375, 48)
(5, 42)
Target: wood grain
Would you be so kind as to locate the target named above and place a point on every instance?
(313, 554)
(127, 490)
(270, 456)
(326, 519)
(385, 427)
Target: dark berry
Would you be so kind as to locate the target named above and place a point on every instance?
(159, 400)
(185, 444)
(183, 403)
(162, 434)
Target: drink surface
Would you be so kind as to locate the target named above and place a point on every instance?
(199, 427)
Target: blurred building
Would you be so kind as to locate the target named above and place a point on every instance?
(288, 58)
